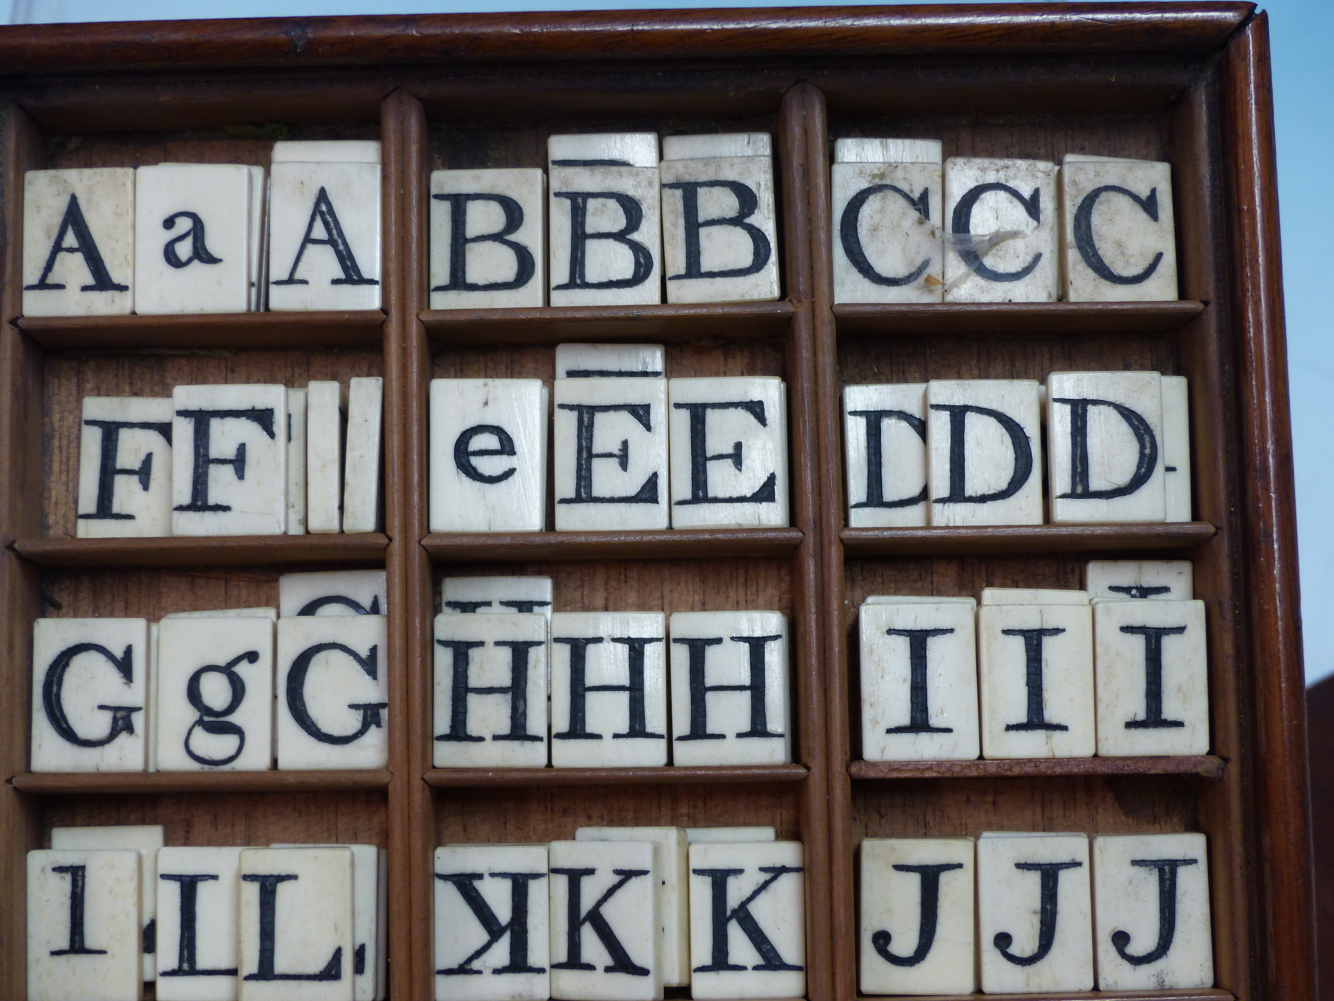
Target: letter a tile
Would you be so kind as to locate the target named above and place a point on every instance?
(488, 238)
(492, 935)
(917, 912)
(125, 467)
(198, 953)
(884, 434)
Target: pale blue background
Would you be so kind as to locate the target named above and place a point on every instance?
(1304, 107)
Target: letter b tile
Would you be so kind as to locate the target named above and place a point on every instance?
(488, 238)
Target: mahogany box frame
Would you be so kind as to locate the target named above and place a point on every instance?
(1186, 82)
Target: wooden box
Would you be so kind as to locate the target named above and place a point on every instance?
(1185, 82)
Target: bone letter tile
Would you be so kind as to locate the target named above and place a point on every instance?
(604, 220)
(324, 236)
(608, 689)
(917, 911)
(296, 462)
(919, 682)
(490, 690)
(1034, 913)
(296, 924)
(609, 361)
(984, 456)
(259, 612)
(488, 455)
(497, 594)
(747, 920)
(1036, 673)
(1117, 230)
(884, 435)
(215, 694)
(604, 921)
(1162, 580)
(125, 467)
(1152, 677)
(730, 688)
(729, 453)
(145, 839)
(324, 457)
(1176, 447)
(488, 238)
(610, 454)
(1105, 447)
(229, 463)
(1033, 596)
(492, 934)
(326, 151)
(728, 835)
(718, 230)
(89, 689)
(363, 468)
(84, 925)
(78, 242)
(671, 858)
(332, 692)
(1151, 912)
(198, 953)
(1001, 243)
(192, 238)
(332, 592)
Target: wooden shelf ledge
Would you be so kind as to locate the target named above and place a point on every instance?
(453, 778)
(701, 543)
(677, 323)
(875, 319)
(97, 783)
(233, 550)
(1015, 539)
(1208, 766)
(313, 330)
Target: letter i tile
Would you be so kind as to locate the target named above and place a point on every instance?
(197, 923)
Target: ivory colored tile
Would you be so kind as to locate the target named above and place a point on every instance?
(608, 689)
(918, 599)
(609, 454)
(719, 235)
(728, 835)
(229, 463)
(296, 924)
(1105, 447)
(1036, 674)
(884, 437)
(198, 953)
(1002, 229)
(89, 683)
(730, 688)
(984, 455)
(150, 702)
(702, 147)
(84, 925)
(888, 230)
(257, 240)
(1117, 237)
(226, 613)
(332, 592)
(1162, 580)
(125, 467)
(332, 692)
(365, 916)
(603, 149)
(1151, 912)
(604, 921)
(488, 238)
(364, 467)
(1033, 596)
(215, 694)
(78, 242)
(606, 361)
(917, 910)
(324, 236)
(324, 457)
(296, 462)
(327, 151)
(1176, 447)
(1034, 926)
(1152, 677)
(145, 839)
(919, 682)
(604, 224)
(747, 920)
(671, 859)
(192, 238)
(492, 933)
(490, 690)
(488, 455)
(729, 453)
(497, 594)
